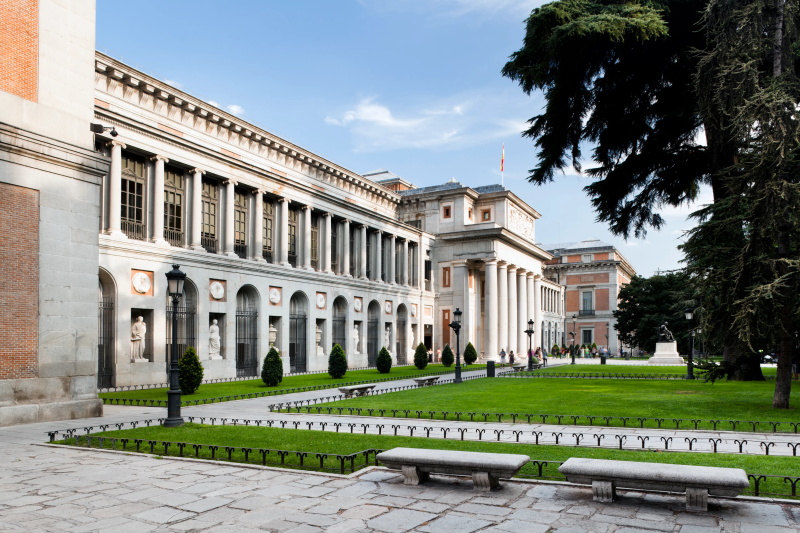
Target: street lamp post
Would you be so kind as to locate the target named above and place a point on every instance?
(574, 328)
(175, 279)
(690, 365)
(456, 326)
(530, 332)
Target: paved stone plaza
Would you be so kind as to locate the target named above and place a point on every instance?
(51, 488)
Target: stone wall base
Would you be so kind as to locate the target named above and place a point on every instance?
(13, 415)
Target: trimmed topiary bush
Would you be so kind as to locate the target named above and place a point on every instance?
(337, 362)
(447, 356)
(190, 372)
(421, 356)
(384, 361)
(470, 354)
(555, 349)
(272, 369)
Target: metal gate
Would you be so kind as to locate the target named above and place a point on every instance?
(297, 343)
(402, 351)
(186, 331)
(247, 343)
(105, 344)
(373, 346)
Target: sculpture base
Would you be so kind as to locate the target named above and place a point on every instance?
(666, 354)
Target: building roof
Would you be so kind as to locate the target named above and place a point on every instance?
(573, 247)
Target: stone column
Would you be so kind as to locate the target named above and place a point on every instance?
(229, 208)
(326, 242)
(405, 263)
(460, 285)
(345, 262)
(258, 226)
(158, 199)
(502, 311)
(197, 210)
(378, 255)
(392, 259)
(479, 338)
(490, 299)
(522, 311)
(115, 190)
(283, 233)
(537, 309)
(362, 252)
(513, 320)
(529, 278)
(307, 237)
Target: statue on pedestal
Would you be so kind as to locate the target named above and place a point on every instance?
(387, 337)
(355, 339)
(138, 333)
(213, 340)
(665, 335)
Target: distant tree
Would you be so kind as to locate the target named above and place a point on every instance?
(384, 361)
(190, 371)
(447, 356)
(470, 354)
(337, 362)
(421, 356)
(646, 303)
(272, 369)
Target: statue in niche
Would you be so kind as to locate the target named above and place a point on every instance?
(665, 335)
(138, 333)
(387, 337)
(319, 341)
(213, 340)
(355, 339)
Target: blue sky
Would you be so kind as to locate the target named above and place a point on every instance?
(411, 86)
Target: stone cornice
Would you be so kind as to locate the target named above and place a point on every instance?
(502, 234)
(131, 85)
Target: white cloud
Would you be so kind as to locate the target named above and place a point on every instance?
(235, 109)
(212, 102)
(174, 83)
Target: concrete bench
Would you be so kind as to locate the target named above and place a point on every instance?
(356, 390)
(426, 381)
(519, 367)
(698, 482)
(486, 469)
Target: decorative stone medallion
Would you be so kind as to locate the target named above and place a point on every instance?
(275, 295)
(217, 290)
(413, 309)
(141, 283)
(358, 304)
(321, 300)
(387, 307)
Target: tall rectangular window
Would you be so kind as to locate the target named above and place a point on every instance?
(445, 276)
(353, 251)
(586, 336)
(314, 241)
(586, 299)
(133, 196)
(334, 245)
(208, 232)
(267, 237)
(293, 220)
(369, 255)
(174, 194)
(240, 224)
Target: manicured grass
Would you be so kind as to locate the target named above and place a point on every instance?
(630, 369)
(221, 390)
(668, 400)
(345, 443)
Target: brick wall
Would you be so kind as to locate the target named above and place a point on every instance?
(19, 283)
(19, 47)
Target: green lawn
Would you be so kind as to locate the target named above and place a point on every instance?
(256, 386)
(652, 399)
(629, 369)
(345, 443)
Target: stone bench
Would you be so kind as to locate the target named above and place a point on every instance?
(519, 367)
(486, 469)
(426, 381)
(698, 482)
(356, 390)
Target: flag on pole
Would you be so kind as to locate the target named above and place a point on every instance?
(503, 159)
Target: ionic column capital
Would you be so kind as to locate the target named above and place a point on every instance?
(115, 142)
(197, 171)
(159, 158)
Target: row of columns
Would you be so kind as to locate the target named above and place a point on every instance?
(282, 237)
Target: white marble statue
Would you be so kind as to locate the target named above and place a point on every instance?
(387, 337)
(213, 340)
(355, 339)
(138, 333)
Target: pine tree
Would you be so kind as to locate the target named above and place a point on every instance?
(384, 361)
(447, 356)
(337, 362)
(421, 356)
(470, 354)
(190, 371)
(272, 369)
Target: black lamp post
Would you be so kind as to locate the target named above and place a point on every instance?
(574, 328)
(530, 332)
(690, 365)
(175, 279)
(456, 326)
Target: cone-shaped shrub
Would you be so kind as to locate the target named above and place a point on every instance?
(470, 354)
(384, 361)
(447, 356)
(337, 362)
(272, 369)
(555, 349)
(421, 356)
(190, 372)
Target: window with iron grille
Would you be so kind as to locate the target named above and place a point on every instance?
(240, 224)
(174, 192)
(267, 235)
(314, 241)
(132, 201)
(334, 246)
(353, 253)
(208, 233)
(293, 219)
(369, 256)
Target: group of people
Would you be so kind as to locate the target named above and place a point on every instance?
(538, 354)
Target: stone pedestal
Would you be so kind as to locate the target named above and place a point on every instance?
(666, 354)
